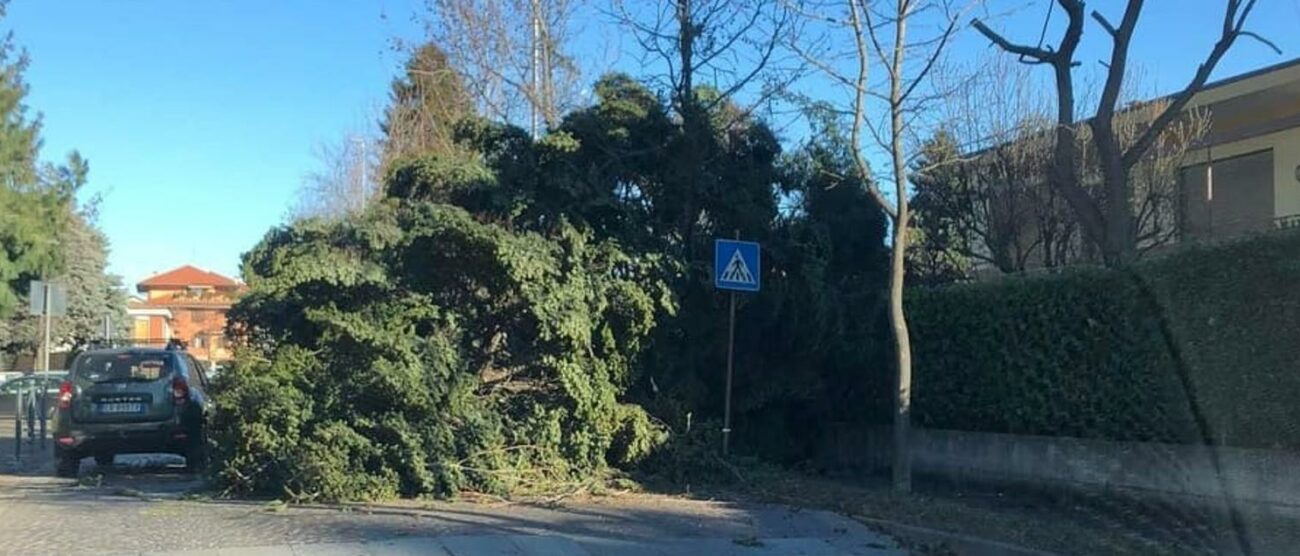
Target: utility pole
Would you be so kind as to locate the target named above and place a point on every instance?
(537, 66)
(1209, 192)
(365, 174)
(363, 184)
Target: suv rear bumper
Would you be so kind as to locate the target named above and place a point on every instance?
(124, 438)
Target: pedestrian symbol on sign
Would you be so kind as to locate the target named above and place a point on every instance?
(736, 270)
(736, 265)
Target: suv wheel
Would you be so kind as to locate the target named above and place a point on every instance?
(68, 466)
(104, 460)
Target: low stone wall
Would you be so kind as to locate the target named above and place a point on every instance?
(1269, 478)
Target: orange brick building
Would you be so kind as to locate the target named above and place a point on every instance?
(186, 303)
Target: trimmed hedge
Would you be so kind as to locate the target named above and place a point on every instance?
(1234, 313)
(1202, 345)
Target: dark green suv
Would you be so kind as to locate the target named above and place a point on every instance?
(131, 401)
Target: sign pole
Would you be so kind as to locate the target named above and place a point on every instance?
(45, 344)
(731, 355)
(45, 366)
(18, 425)
(736, 268)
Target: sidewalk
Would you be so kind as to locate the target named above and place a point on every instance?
(34, 460)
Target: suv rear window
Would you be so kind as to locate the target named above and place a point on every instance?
(125, 367)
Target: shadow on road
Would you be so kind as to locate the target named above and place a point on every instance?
(149, 475)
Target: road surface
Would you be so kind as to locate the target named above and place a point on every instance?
(139, 506)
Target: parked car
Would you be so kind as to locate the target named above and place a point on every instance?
(28, 385)
(130, 401)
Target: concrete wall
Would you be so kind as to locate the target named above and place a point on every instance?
(1255, 477)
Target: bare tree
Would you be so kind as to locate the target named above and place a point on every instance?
(1153, 178)
(1108, 216)
(342, 185)
(987, 188)
(725, 45)
(878, 33)
(424, 106)
(511, 54)
(987, 196)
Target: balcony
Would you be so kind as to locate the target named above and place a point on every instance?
(1290, 222)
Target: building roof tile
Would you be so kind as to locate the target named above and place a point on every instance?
(184, 276)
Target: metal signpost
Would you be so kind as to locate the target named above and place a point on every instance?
(47, 300)
(736, 268)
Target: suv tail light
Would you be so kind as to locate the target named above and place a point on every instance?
(180, 391)
(65, 394)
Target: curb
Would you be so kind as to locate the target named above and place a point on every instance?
(964, 545)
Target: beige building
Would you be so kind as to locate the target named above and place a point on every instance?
(1241, 176)
(1244, 175)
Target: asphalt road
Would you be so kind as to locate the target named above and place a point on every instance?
(141, 505)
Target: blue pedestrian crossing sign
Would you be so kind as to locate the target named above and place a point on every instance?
(736, 265)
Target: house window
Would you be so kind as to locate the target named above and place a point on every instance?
(198, 341)
(1235, 196)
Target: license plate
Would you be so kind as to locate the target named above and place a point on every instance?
(118, 408)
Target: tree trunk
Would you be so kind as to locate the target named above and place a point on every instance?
(1121, 238)
(693, 122)
(1065, 160)
(902, 469)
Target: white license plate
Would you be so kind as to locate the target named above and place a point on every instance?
(121, 408)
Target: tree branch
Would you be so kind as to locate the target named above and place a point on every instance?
(1115, 71)
(1232, 25)
(1104, 23)
(934, 56)
(758, 67)
(859, 108)
(1266, 42)
(875, 42)
(1042, 56)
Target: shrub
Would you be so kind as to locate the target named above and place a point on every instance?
(1233, 312)
(417, 351)
(1075, 354)
(1198, 346)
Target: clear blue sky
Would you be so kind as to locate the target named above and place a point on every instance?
(199, 117)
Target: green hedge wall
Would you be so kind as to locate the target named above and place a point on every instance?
(1234, 312)
(1200, 345)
